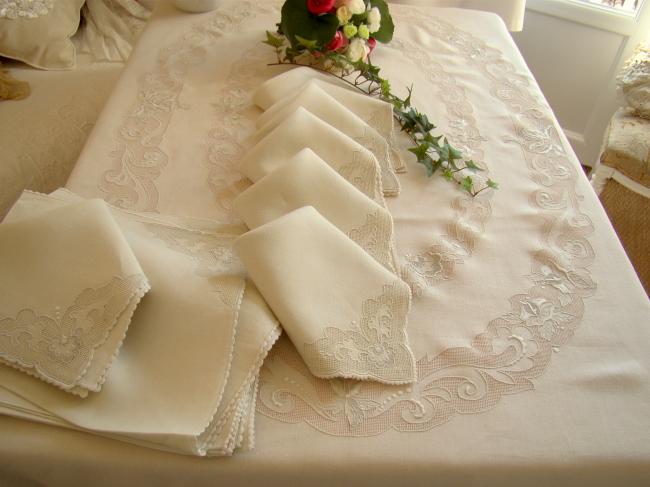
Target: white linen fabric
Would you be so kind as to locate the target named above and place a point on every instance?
(285, 85)
(171, 387)
(528, 324)
(512, 12)
(283, 88)
(68, 289)
(111, 28)
(325, 107)
(302, 129)
(345, 313)
(307, 180)
(45, 132)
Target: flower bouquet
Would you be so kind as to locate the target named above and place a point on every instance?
(338, 37)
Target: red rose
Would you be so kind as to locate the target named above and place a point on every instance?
(337, 42)
(372, 43)
(318, 7)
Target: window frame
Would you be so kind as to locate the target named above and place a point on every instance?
(593, 15)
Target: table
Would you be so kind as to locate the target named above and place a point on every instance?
(530, 327)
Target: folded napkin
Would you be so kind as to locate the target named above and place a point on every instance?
(307, 180)
(186, 378)
(376, 113)
(303, 129)
(344, 312)
(68, 288)
(325, 107)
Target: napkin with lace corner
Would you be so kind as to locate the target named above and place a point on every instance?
(307, 180)
(345, 313)
(68, 289)
(325, 107)
(180, 383)
(303, 129)
(375, 112)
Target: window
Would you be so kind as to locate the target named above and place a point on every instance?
(618, 16)
(627, 6)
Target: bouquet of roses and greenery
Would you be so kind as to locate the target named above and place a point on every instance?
(338, 37)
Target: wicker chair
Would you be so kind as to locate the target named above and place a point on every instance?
(622, 175)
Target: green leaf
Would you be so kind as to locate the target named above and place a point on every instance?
(386, 29)
(492, 184)
(468, 184)
(273, 40)
(385, 87)
(428, 164)
(407, 100)
(470, 164)
(308, 43)
(420, 151)
(297, 20)
(448, 175)
(454, 153)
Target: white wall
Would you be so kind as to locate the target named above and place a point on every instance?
(575, 57)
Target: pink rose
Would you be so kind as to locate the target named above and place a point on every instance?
(337, 42)
(372, 43)
(318, 7)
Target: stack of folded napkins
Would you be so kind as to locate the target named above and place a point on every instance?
(320, 245)
(185, 379)
(318, 249)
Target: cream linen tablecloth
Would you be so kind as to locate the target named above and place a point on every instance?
(530, 329)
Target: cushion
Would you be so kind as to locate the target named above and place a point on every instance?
(38, 32)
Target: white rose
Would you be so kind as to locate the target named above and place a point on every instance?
(357, 50)
(374, 19)
(356, 6)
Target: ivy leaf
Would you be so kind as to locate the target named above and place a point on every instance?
(385, 87)
(420, 151)
(273, 40)
(387, 27)
(428, 164)
(297, 20)
(468, 184)
(471, 165)
(448, 174)
(308, 43)
(492, 184)
(407, 100)
(454, 153)
(428, 137)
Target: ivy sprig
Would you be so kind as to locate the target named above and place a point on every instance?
(434, 152)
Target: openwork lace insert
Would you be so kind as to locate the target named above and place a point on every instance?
(375, 348)
(516, 347)
(60, 348)
(376, 238)
(372, 141)
(25, 9)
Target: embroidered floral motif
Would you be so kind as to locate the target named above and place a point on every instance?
(234, 120)
(376, 237)
(517, 346)
(375, 348)
(59, 349)
(364, 173)
(428, 267)
(213, 255)
(25, 9)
